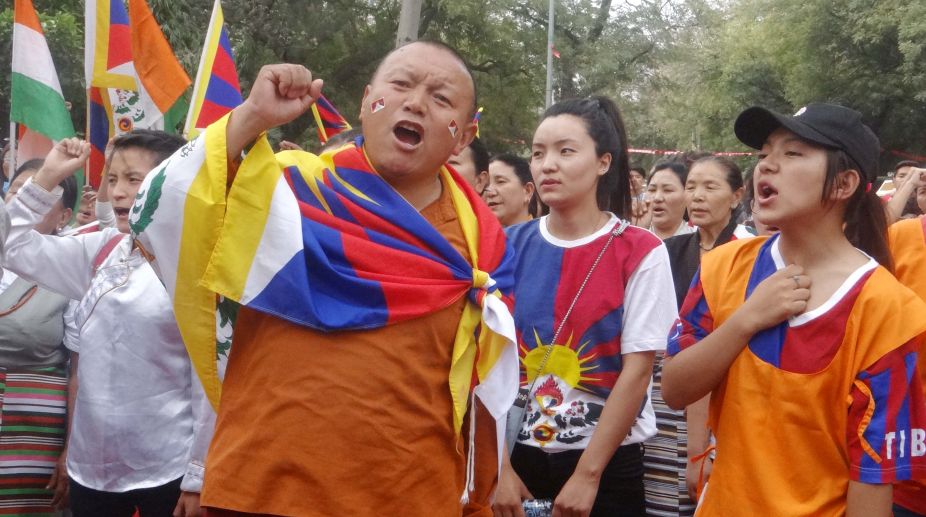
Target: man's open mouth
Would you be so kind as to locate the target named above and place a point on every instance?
(408, 133)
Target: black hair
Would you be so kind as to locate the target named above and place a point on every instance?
(639, 170)
(865, 220)
(30, 165)
(3, 159)
(160, 143)
(522, 169)
(906, 163)
(69, 196)
(480, 155)
(68, 185)
(342, 138)
(447, 48)
(688, 158)
(677, 168)
(732, 173)
(606, 127)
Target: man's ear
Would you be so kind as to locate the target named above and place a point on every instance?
(363, 102)
(65, 217)
(465, 138)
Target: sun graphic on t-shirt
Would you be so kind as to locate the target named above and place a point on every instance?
(566, 361)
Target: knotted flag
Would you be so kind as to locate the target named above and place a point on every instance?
(325, 242)
(217, 90)
(327, 120)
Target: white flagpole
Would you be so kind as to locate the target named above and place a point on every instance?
(12, 154)
(549, 94)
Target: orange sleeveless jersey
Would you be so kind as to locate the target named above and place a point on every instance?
(808, 406)
(908, 246)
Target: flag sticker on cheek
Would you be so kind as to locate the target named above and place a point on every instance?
(453, 128)
(378, 105)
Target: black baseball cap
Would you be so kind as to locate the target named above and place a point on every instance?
(828, 125)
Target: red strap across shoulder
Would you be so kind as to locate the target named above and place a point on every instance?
(105, 251)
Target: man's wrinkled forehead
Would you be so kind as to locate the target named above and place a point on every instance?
(405, 56)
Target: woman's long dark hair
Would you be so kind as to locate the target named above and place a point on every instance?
(606, 127)
(865, 221)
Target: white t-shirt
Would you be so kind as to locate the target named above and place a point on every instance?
(628, 305)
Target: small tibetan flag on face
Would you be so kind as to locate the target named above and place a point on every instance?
(328, 121)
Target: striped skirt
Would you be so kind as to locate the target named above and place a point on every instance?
(33, 421)
(665, 458)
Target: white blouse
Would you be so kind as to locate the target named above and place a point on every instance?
(141, 418)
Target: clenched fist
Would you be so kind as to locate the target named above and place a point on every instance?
(66, 157)
(280, 94)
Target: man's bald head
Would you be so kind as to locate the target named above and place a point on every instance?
(450, 51)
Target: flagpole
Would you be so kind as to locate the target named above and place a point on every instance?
(549, 93)
(11, 155)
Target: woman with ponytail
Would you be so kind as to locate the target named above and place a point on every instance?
(594, 302)
(805, 341)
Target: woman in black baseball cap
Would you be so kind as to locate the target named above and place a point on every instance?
(804, 342)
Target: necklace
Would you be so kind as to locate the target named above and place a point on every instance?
(705, 249)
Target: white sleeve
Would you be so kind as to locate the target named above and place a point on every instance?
(60, 264)
(203, 428)
(105, 215)
(4, 230)
(71, 332)
(649, 304)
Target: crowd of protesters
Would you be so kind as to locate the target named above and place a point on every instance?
(698, 339)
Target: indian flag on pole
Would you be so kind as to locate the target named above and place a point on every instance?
(37, 102)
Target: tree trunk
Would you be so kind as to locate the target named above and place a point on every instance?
(409, 19)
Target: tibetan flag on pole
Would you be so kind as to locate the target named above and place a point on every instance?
(37, 101)
(134, 80)
(327, 119)
(99, 131)
(161, 77)
(216, 91)
(108, 45)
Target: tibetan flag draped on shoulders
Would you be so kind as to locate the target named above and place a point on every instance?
(216, 91)
(325, 242)
(37, 102)
(107, 66)
(327, 120)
